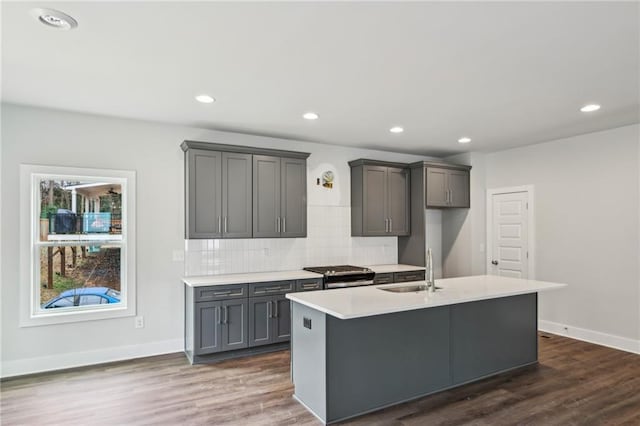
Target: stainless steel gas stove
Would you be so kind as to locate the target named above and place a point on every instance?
(339, 276)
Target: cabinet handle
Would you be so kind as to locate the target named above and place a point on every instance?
(269, 309)
(226, 315)
(221, 293)
(386, 225)
(277, 224)
(219, 311)
(275, 306)
(284, 224)
(219, 224)
(390, 225)
(225, 224)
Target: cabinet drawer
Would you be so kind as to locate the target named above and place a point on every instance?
(401, 277)
(274, 287)
(309, 284)
(220, 292)
(383, 278)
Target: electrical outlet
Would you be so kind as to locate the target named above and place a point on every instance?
(140, 322)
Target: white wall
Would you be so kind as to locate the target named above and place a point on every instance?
(41, 136)
(587, 196)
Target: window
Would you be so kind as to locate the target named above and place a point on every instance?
(78, 244)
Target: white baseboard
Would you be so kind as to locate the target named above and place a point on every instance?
(604, 339)
(80, 359)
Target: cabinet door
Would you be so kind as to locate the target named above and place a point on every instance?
(260, 325)
(437, 187)
(459, 188)
(266, 196)
(207, 328)
(375, 197)
(236, 195)
(204, 194)
(234, 324)
(282, 319)
(398, 184)
(293, 197)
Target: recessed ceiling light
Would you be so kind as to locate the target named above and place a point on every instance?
(205, 99)
(464, 140)
(396, 129)
(54, 18)
(310, 116)
(590, 108)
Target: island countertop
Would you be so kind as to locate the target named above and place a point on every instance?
(366, 301)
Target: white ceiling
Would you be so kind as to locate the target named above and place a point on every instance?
(504, 74)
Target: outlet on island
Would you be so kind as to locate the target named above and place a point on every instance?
(140, 322)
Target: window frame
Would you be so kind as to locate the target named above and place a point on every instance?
(31, 313)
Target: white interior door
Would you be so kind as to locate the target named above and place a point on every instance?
(509, 243)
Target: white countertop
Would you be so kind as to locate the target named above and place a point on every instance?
(254, 277)
(383, 269)
(366, 301)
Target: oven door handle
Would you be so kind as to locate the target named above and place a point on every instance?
(350, 284)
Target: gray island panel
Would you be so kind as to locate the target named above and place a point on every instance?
(342, 368)
(377, 361)
(493, 335)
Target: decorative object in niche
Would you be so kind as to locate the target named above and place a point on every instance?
(327, 179)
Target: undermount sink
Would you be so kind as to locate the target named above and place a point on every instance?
(414, 288)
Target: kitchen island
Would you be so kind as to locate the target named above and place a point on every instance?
(361, 349)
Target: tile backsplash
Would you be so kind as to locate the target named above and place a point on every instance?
(328, 242)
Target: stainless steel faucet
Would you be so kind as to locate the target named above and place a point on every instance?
(431, 283)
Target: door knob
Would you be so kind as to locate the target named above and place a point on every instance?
(494, 262)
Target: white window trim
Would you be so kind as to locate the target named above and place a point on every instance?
(30, 312)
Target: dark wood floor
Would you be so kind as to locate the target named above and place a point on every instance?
(575, 383)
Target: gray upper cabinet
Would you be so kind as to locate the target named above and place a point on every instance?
(236, 195)
(379, 198)
(459, 188)
(266, 196)
(437, 189)
(293, 197)
(218, 193)
(203, 194)
(447, 186)
(279, 197)
(398, 188)
(244, 192)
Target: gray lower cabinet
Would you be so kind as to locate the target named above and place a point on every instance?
(279, 197)
(208, 328)
(269, 320)
(399, 277)
(380, 200)
(234, 319)
(406, 276)
(234, 324)
(220, 326)
(386, 278)
(447, 187)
